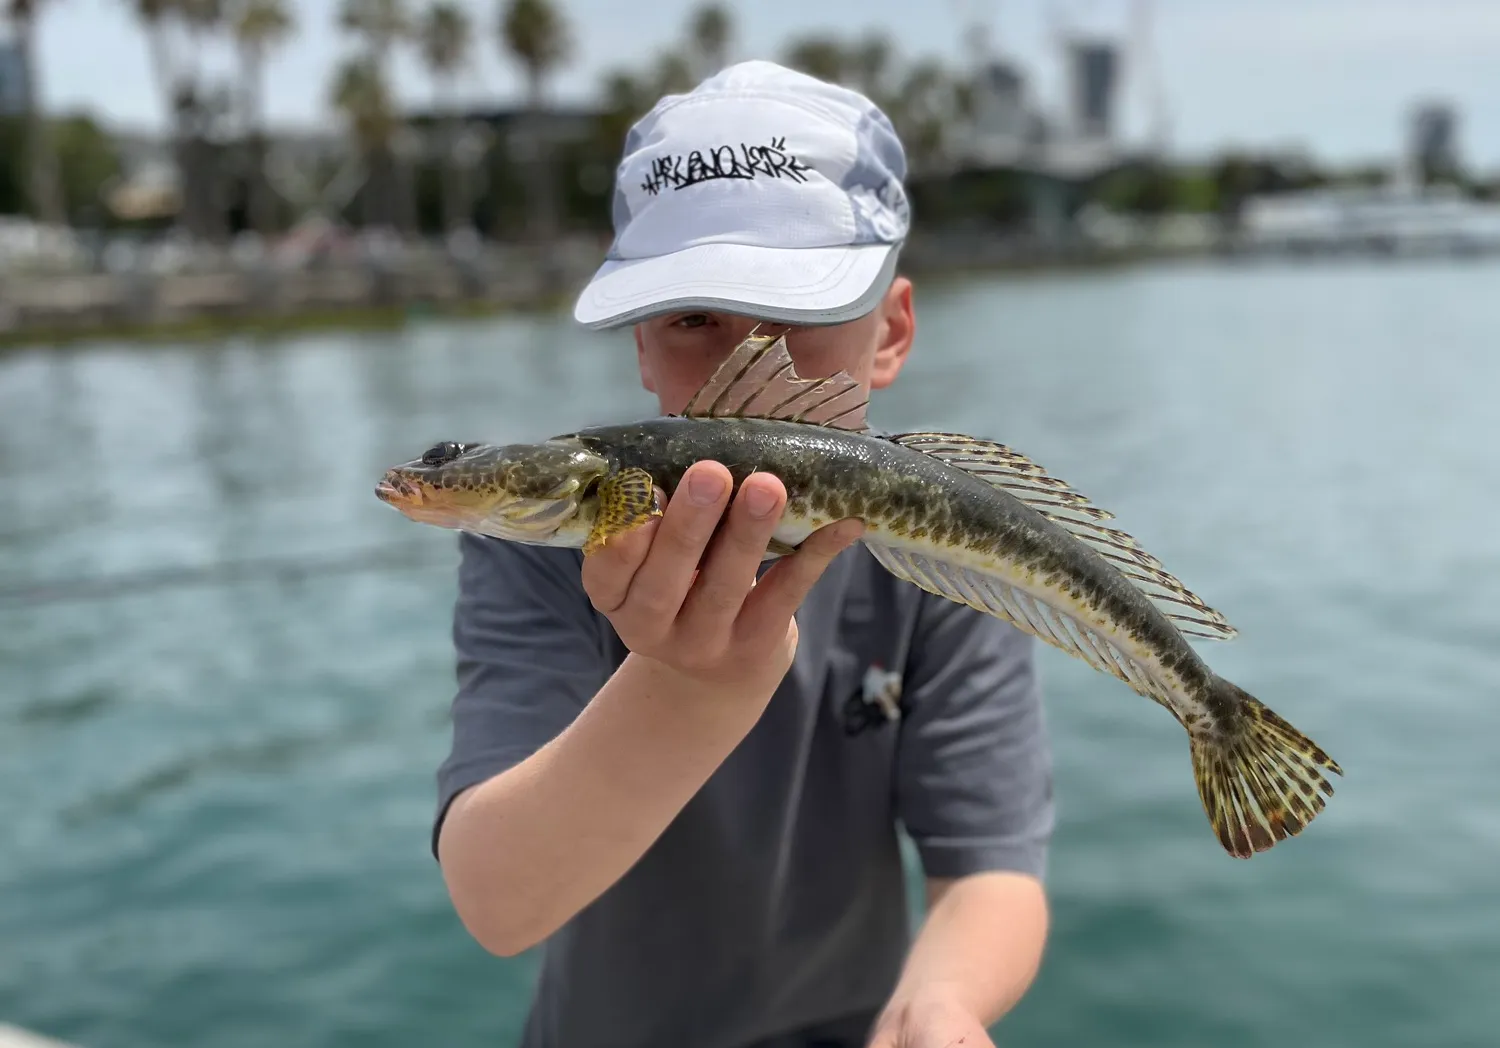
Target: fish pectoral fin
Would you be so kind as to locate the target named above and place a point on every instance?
(759, 381)
(627, 500)
(779, 548)
(1010, 471)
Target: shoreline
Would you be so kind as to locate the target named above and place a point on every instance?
(105, 318)
(352, 319)
(251, 305)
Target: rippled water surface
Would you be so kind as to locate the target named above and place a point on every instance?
(216, 773)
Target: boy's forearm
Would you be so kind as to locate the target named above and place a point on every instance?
(979, 948)
(526, 850)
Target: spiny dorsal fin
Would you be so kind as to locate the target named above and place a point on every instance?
(759, 381)
(1010, 471)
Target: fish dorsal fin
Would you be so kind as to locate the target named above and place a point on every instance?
(1012, 472)
(759, 381)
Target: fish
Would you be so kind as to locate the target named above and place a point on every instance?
(968, 519)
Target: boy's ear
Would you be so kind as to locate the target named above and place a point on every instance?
(898, 326)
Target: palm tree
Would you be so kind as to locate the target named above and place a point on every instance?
(199, 106)
(189, 107)
(868, 66)
(361, 95)
(710, 32)
(45, 186)
(534, 34)
(817, 56)
(259, 26)
(924, 109)
(445, 39)
(626, 97)
(382, 24)
(365, 84)
(153, 15)
(672, 74)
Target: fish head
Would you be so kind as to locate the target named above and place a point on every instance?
(532, 493)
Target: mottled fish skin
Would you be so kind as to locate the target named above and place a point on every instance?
(970, 520)
(914, 501)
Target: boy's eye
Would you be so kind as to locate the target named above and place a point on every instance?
(692, 320)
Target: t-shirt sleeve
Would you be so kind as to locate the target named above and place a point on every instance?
(528, 656)
(974, 769)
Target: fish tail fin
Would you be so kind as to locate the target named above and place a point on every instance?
(1260, 779)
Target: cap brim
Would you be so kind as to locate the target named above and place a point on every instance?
(821, 285)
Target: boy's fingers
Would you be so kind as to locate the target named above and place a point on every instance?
(783, 588)
(682, 533)
(734, 557)
(607, 573)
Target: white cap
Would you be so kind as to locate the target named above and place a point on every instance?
(763, 192)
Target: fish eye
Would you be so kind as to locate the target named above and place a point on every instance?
(444, 452)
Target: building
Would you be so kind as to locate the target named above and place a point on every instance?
(13, 79)
(1093, 79)
(1433, 146)
(1000, 100)
(516, 131)
(999, 130)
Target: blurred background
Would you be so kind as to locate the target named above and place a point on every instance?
(1231, 269)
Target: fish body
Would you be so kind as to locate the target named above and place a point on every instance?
(914, 504)
(971, 520)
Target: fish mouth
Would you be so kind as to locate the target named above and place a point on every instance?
(395, 488)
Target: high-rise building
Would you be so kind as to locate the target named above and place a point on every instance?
(1433, 147)
(12, 79)
(1093, 76)
(1000, 100)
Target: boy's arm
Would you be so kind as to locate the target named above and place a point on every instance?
(975, 794)
(976, 955)
(524, 851)
(553, 803)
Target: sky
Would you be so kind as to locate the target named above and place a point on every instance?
(1336, 78)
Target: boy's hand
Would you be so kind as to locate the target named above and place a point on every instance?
(694, 605)
(932, 1020)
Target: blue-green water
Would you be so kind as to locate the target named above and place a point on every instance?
(215, 798)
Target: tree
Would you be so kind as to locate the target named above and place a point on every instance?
(88, 163)
(44, 186)
(362, 91)
(193, 107)
(923, 111)
(710, 33)
(445, 41)
(200, 106)
(869, 65)
(534, 34)
(259, 27)
(381, 24)
(818, 56)
(1235, 180)
(361, 95)
(672, 74)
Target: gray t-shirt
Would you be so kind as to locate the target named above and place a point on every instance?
(775, 901)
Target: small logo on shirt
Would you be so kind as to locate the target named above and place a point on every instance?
(878, 701)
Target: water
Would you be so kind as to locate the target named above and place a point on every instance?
(215, 798)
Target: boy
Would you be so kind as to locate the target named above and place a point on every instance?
(687, 781)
